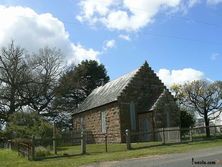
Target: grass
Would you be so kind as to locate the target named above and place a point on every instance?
(96, 153)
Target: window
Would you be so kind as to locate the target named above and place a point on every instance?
(103, 121)
(81, 123)
(74, 124)
(132, 116)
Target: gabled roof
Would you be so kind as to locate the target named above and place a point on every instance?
(107, 93)
(165, 93)
(162, 95)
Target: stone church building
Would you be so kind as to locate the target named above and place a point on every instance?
(137, 101)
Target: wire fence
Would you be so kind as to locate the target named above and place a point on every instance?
(3, 142)
(78, 143)
(170, 135)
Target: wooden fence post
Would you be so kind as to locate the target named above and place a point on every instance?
(18, 147)
(163, 132)
(83, 143)
(128, 142)
(180, 137)
(191, 134)
(9, 144)
(215, 131)
(33, 148)
(54, 139)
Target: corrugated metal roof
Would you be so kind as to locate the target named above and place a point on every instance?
(107, 93)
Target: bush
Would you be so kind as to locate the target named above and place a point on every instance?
(22, 140)
(186, 119)
(41, 151)
(27, 124)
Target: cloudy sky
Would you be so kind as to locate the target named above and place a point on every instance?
(180, 39)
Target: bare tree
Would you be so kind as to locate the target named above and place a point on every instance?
(14, 74)
(27, 80)
(46, 68)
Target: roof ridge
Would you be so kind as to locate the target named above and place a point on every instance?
(106, 93)
(117, 79)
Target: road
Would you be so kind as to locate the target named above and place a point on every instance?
(200, 158)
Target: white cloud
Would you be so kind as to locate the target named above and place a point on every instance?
(191, 3)
(33, 31)
(214, 2)
(179, 76)
(128, 15)
(83, 53)
(109, 44)
(124, 37)
(214, 56)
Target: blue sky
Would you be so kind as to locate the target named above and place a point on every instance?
(181, 40)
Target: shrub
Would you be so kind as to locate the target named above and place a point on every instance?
(41, 151)
(27, 124)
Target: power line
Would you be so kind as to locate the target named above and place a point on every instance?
(184, 18)
(174, 37)
(168, 35)
(182, 38)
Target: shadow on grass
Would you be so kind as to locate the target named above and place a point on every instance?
(159, 145)
(57, 156)
(67, 148)
(204, 138)
(135, 146)
(195, 141)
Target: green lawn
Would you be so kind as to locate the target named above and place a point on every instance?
(96, 153)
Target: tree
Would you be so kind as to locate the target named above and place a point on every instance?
(46, 69)
(77, 83)
(26, 124)
(203, 97)
(27, 80)
(186, 119)
(90, 75)
(14, 75)
(74, 86)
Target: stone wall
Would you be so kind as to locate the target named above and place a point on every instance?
(92, 123)
(167, 113)
(143, 90)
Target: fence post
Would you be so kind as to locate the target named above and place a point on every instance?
(180, 137)
(163, 132)
(128, 142)
(83, 143)
(9, 144)
(215, 131)
(33, 148)
(54, 139)
(18, 149)
(191, 134)
(106, 142)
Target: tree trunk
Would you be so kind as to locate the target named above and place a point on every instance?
(207, 124)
